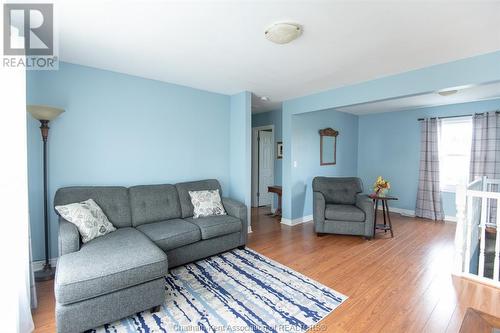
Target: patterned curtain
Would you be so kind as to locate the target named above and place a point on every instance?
(429, 204)
(485, 152)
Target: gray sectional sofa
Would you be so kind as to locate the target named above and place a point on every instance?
(122, 273)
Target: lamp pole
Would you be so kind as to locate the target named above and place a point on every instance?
(45, 114)
(47, 273)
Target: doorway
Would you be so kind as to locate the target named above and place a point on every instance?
(262, 165)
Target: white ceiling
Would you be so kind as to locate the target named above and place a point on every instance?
(464, 94)
(220, 46)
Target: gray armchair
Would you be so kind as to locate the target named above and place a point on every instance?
(340, 208)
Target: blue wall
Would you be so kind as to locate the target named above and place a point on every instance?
(474, 70)
(122, 130)
(240, 148)
(389, 146)
(271, 118)
(306, 153)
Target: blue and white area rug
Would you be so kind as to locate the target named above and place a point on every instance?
(237, 291)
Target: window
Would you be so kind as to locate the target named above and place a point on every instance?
(454, 152)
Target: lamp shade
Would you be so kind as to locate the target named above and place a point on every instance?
(43, 112)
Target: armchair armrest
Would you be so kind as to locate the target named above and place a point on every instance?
(239, 210)
(365, 203)
(319, 206)
(69, 237)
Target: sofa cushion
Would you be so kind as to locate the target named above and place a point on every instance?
(153, 203)
(184, 188)
(171, 234)
(344, 213)
(113, 201)
(88, 218)
(115, 261)
(338, 190)
(206, 203)
(215, 226)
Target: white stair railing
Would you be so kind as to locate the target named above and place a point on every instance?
(482, 227)
(474, 204)
(496, 271)
(460, 233)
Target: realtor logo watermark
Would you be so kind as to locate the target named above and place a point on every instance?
(28, 38)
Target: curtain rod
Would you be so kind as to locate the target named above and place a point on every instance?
(459, 116)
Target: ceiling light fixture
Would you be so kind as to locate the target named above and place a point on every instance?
(264, 98)
(282, 33)
(447, 92)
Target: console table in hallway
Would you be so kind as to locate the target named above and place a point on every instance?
(278, 190)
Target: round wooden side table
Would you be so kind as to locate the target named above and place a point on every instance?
(385, 213)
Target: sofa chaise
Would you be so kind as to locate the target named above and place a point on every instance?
(340, 208)
(122, 273)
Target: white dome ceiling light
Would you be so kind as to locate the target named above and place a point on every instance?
(282, 33)
(445, 93)
(453, 90)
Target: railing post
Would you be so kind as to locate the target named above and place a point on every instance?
(482, 225)
(469, 216)
(496, 271)
(460, 232)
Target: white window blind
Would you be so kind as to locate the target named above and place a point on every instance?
(454, 152)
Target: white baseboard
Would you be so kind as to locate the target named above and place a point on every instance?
(38, 265)
(411, 213)
(448, 218)
(296, 221)
(404, 212)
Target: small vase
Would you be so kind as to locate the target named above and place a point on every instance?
(381, 192)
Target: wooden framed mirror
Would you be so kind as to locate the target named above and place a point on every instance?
(328, 146)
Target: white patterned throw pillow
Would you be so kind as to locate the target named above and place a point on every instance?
(206, 203)
(88, 218)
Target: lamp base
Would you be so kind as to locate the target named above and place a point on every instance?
(45, 274)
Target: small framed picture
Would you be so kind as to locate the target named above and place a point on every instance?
(279, 149)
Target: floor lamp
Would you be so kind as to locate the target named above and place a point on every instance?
(45, 114)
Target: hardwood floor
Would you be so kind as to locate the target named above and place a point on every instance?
(401, 284)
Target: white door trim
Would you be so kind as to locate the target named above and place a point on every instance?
(255, 150)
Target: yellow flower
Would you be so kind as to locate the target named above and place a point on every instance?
(381, 183)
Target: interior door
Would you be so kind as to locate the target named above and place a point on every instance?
(266, 167)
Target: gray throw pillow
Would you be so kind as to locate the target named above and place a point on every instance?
(206, 203)
(88, 218)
